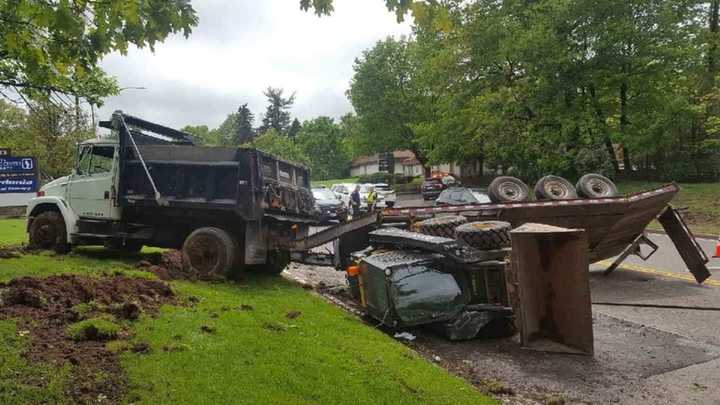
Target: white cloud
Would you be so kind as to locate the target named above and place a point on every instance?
(241, 47)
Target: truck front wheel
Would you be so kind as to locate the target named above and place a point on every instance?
(47, 231)
(209, 251)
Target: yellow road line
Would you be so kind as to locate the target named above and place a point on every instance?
(649, 270)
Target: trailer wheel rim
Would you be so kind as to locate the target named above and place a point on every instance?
(203, 253)
(557, 189)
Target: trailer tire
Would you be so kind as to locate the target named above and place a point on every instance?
(508, 189)
(441, 226)
(554, 188)
(595, 185)
(485, 235)
(47, 231)
(209, 251)
(277, 261)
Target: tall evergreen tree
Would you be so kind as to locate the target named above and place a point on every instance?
(277, 115)
(295, 128)
(245, 132)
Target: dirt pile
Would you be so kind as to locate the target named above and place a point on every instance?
(10, 252)
(169, 266)
(48, 309)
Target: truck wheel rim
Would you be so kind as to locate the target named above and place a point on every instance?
(204, 254)
(46, 235)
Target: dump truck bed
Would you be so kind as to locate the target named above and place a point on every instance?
(250, 182)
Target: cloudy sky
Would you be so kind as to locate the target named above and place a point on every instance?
(239, 48)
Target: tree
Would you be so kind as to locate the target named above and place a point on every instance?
(277, 115)
(281, 146)
(295, 128)
(245, 132)
(51, 49)
(203, 135)
(387, 98)
(322, 141)
(46, 131)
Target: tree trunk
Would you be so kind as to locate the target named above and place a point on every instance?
(604, 130)
(623, 126)
(712, 49)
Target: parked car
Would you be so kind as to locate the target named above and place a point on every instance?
(431, 188)
(462, 196)
(328, 205)
(343, 190)
(364, 191)
(387, 193)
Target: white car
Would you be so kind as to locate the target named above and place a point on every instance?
(343, 191)
(387, 193)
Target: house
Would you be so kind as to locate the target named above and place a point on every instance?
(405, 163)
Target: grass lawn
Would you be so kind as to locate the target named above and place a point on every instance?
(702, 200)
(217, 352)
(12, 231)
(329, 183)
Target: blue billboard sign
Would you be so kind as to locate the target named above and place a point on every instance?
(20, 164)
(18, 184)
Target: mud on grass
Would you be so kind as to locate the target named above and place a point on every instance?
(47, 310)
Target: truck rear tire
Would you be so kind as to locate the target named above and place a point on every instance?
(209, 251)
(47, 231)
(485, 235)
(277, 261)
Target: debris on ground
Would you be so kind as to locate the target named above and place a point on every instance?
(10, 252)
(293, 314)
(71, 320)
(246, 307)
(169, 266)
(404, 336)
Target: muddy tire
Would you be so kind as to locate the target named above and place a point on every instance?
(596, 186)
(441, 226)
(554, 188)
(277, 261)
(485, 235)
(48, 232)
(210, 252)
(508, 189)
(130, 245)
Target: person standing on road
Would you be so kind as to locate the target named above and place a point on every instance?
(371, 198)
(355, 202)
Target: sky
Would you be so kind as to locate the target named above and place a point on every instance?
(238, 49)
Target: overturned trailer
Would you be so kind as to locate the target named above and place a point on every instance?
(404, 278)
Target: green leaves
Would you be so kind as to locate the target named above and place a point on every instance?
(54, 47)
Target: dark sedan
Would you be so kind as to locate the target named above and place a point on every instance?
(329, 206)
(431, 188)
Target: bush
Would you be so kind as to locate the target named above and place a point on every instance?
(93, 329)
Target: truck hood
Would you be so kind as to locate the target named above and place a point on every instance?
(55, 183)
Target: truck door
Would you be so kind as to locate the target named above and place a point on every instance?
(92, 186)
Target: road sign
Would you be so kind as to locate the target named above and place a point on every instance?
(18, 184)
(18, 174)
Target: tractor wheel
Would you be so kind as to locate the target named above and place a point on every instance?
(486, 235)
(508, 189)
(554, 188)
(441, 226)
(210, 252)
(47, 231)
(596, 186)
